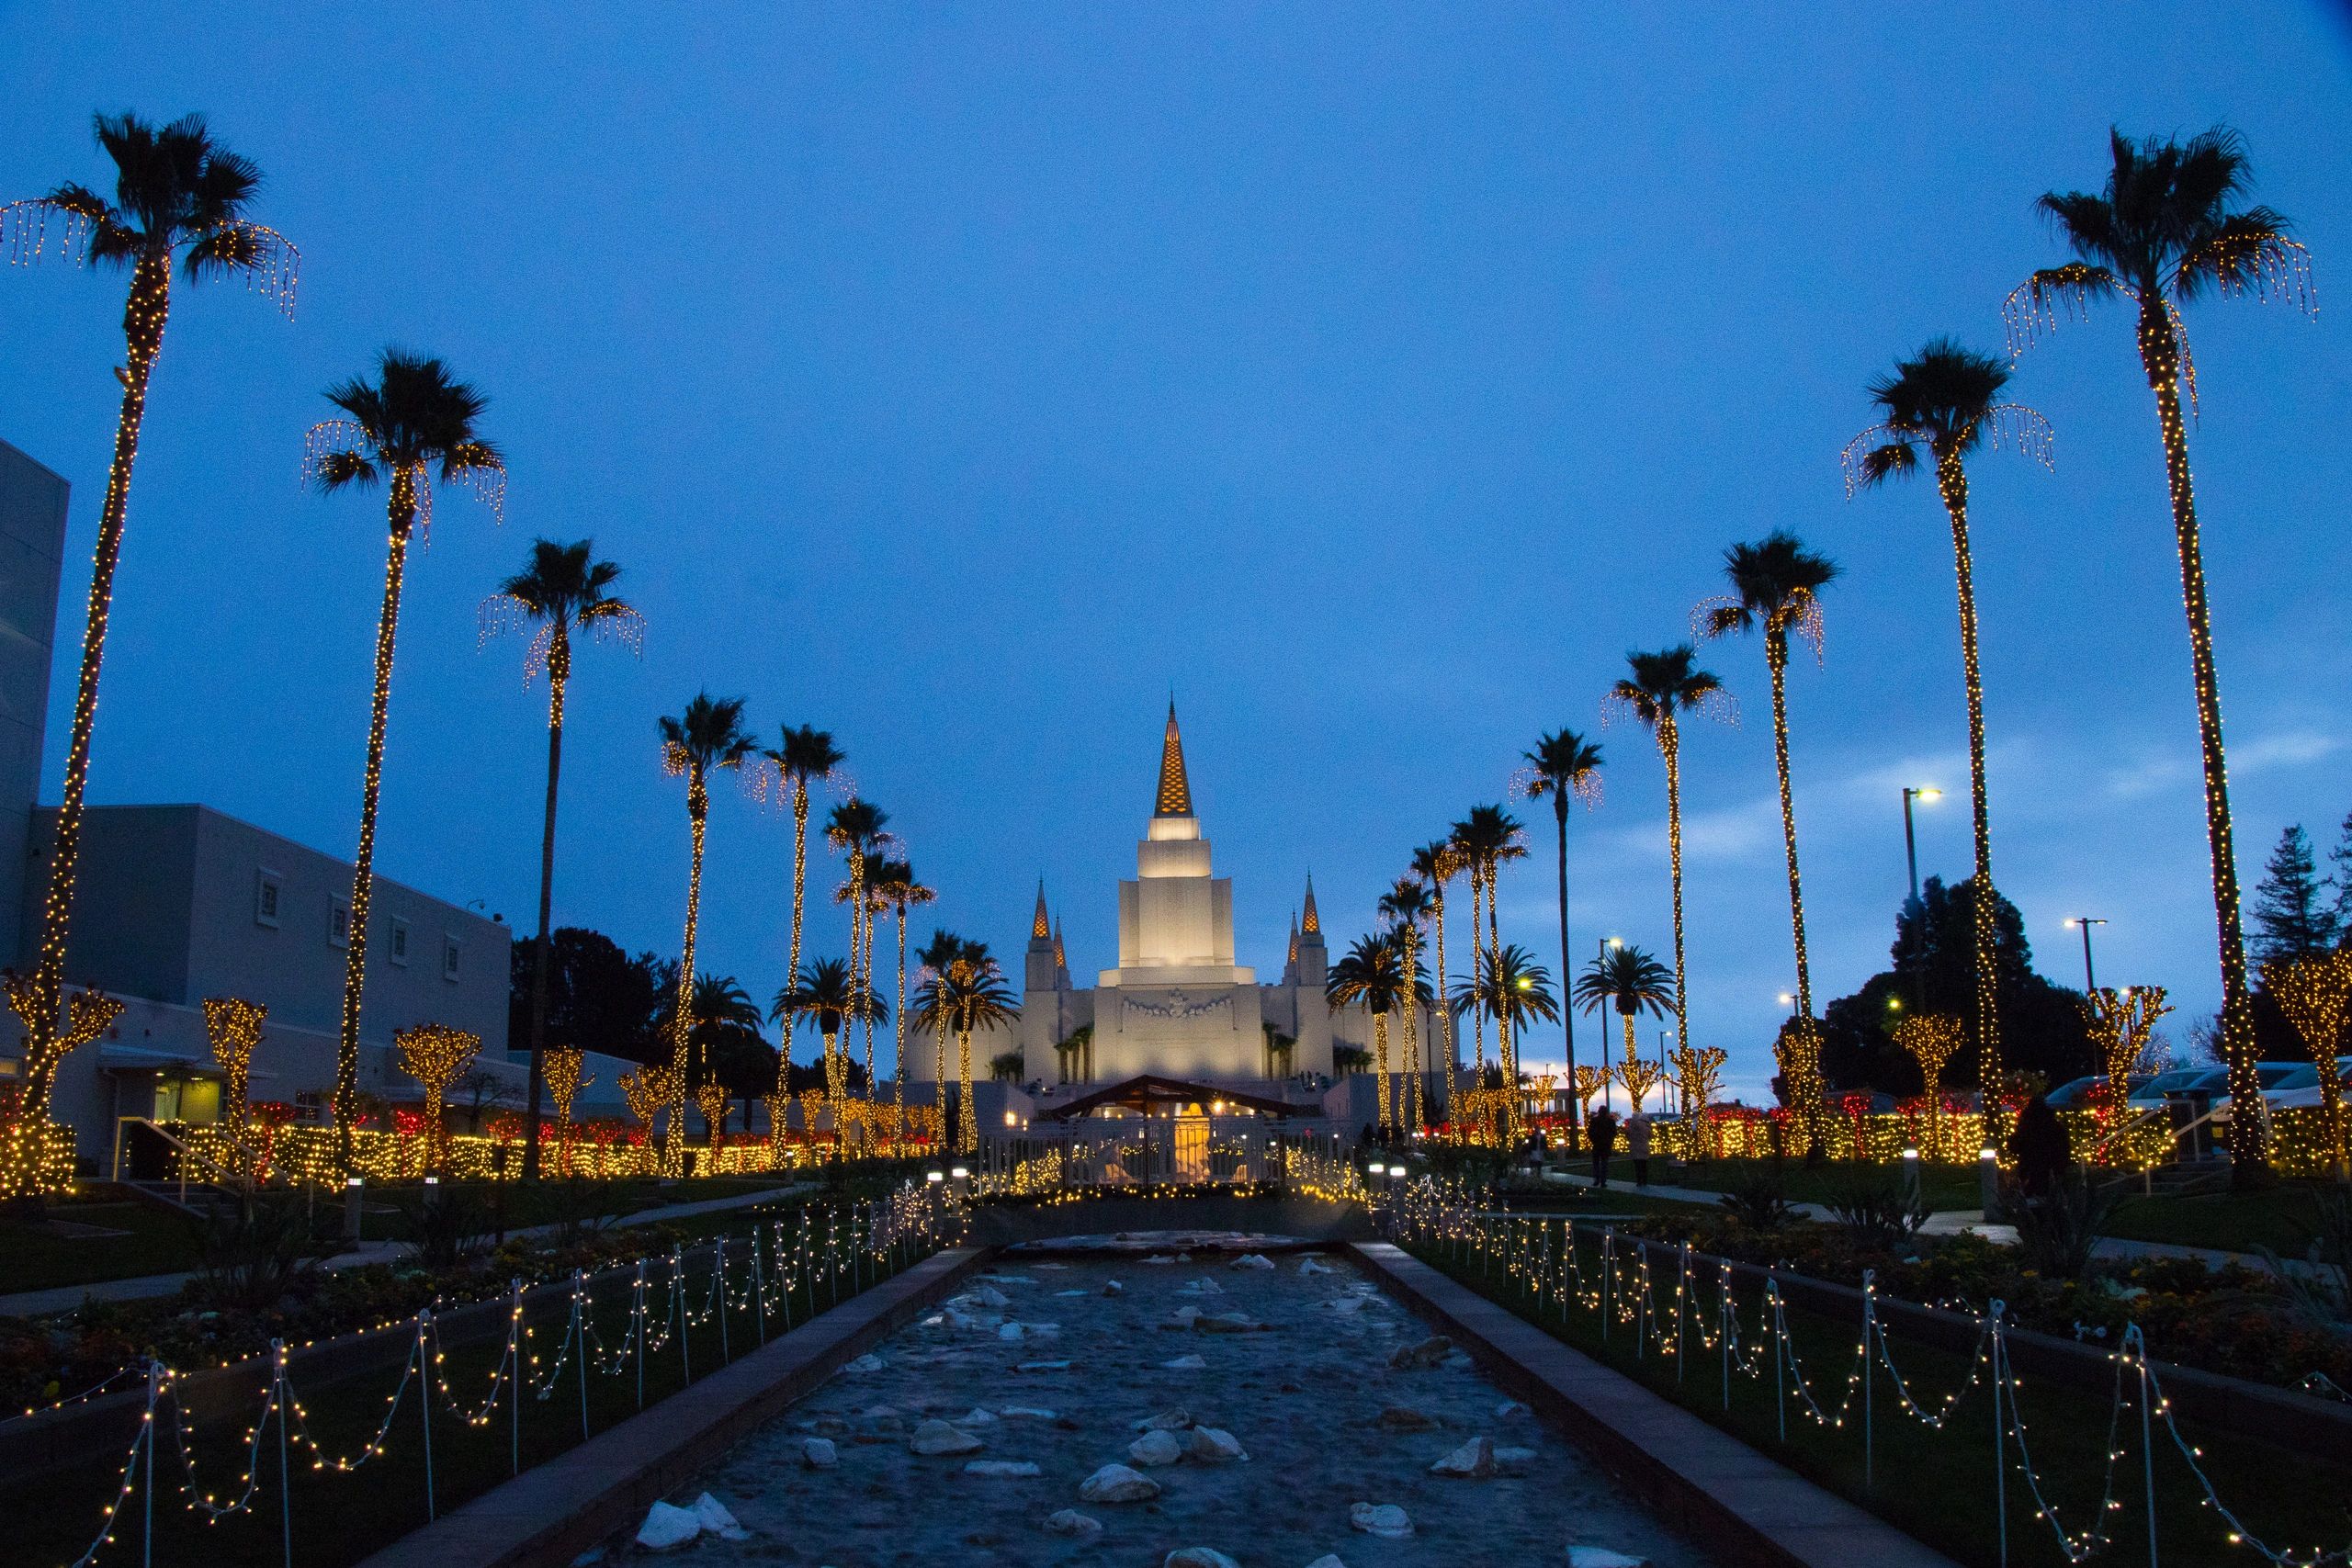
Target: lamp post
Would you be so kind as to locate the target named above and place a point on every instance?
(2090, 982)
(1910, 840)
(1606, 943)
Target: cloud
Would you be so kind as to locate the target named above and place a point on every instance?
(2289, 749)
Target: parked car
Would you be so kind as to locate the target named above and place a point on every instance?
(2306, 1095)
(2076, 1095)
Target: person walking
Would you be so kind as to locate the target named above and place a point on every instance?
(1637, 1145)
(1600, 1130)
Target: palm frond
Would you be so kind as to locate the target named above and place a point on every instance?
(1877, 455)
(2027, 430)
(71, 216)
(337, 453)
(2033, 308)
(2249, 252)
(612, 620)
(1719, 616)
(268, 261)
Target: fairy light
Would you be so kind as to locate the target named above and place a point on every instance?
(2315, 993)
(232, 1028)
(1636, 1076)
(1932, 1039)
(436, 1055)
(36, 1155)
(2122, 1023)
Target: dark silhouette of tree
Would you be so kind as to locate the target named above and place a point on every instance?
(2292, 915)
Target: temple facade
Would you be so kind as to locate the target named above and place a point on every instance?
(1178, 1005)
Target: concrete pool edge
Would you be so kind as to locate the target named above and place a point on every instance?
(1712, 1487)
(552, 1512)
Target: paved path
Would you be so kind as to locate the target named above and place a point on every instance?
(147, 1286)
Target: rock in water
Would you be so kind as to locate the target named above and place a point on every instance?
(1156, 1449)
(1514, 1462)
(1007, 1468)
(1427, 1353)
(1404, 1418)
(1112, 1288)
(712, 1514)
(976, 1417)
(1228, 1322)
(1182, 1317)
(1310, 1264)
(1329, 1560)
(1253, 1261)
(1117, 1484)
(1473, 1459)
(1601, 1557)
(819, 1454)
(989, 1296)
(1070, 1522)
(1210, 1445)
(1198, 1556)
(1028, 1412)
(1385, 1520)
(667, 1528)
(1185, 1364)
(937, 1437)
(1174, 1420)
(864, 1364)
(1508, 1408)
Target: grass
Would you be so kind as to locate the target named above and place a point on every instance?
(1937, 1485)
(337, 1519)
(153, 1241)
(2284, 1218)
(1627, 1203)
(1943, 1186)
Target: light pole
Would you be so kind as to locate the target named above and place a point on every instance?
(1605, 944)
(2090, 981)
(1910, 841)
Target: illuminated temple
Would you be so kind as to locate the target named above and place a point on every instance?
(1178, 1006)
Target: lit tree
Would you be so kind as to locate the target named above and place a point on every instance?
(826, 995)
(1663, 687)
(895, 885)
(1776, 586)
(178, 197)
(710, 1098)
(855, 832)
(2165, 232)
(1487, 838)
(1564, 763)
(649, 1091)
(1632, 981)
(708, 735)
(413, 418)
(1514, 990)
(1370, 973)
(2315, 994)
(1932, 1039)
(436, 1056)
(1404, 906)
(2121, 1023)
(806, 756)
(563, 1069)
(1946, 402)
(1697, 1076)
(563, 589)
(1638, 1076)
(232, 1028)
(1436, 864)
(967, 993)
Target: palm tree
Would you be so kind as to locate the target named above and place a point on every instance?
(413, 417)
(805, 756)
(1514, 990)
(1633, 981)
(1437, 863)
(943, 948)
(1371, 971)
(1564, 763)
(967, 993)
(1487, 838)
(724, 1014)
(561, 590)
(2165, 232)
(854, 828)
(708, 735)
(1945, 400)
(1404, 907)
(825, 994)
(895, 885)
(1776, 585)
(1663, 687)
(178, 195)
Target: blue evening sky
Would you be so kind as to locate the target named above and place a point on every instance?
(962, 378)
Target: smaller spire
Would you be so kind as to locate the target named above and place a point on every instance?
(1061, 959)
(1175, 795)
(1294, 939)
(1310, 924)
(1039, 929)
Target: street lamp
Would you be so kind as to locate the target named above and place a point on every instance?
(1910, 841)
(2086, 922)
(1606, 943)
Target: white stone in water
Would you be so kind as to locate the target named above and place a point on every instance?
(1514, 1462)
(1427, 1353)
(976, 1417)
(1203, 1286)
(1508, 1408)
(1174, 1420)
(1252, 1260)
(1075, 1292)
(1051, 1268)
(667, 1528)
(864, 1364)
(1117, 1484)
(1070, 1522)
(1155, 1449)
(1310, 1264)
(1229, 1323)
(1385, 1520)
(985, 1296)
(819, 1454)
(1198, 1556)
(1473, 1459)
(1212, 1445)
(1329, 1560)
(939, 1438)
(1042, 1367)
(716, 1520)
(1601, 1557)
(1011, 1331)
(1028, 1412)
(1112, 1288)
(1159, 1258)
(1008, 1468)
(1185, 1364)
(1183, 1257)
(1182, 1317)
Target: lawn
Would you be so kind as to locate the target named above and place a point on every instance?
(1943, 1186)
(96, 1240)
(2284, 1218)
(1580, 1201)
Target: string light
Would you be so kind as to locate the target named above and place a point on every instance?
(1932, 1039)
(2315, 993)
(436, 1055)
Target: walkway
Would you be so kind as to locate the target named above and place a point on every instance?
(148, 1286)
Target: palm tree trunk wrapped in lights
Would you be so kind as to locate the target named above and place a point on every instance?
(179, 197)
(2165, 231)
(709, 734)
(1405, 905)
(1564, 763)
(1436, 864)
(805, 755)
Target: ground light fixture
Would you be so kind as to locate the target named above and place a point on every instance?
(934, 1176)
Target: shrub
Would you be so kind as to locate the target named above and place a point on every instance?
(1758, 1200)
(1877, 1208)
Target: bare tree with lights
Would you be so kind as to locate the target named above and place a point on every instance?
(2165, 232)
(563, 589)
(708, 735)
(1776, 587)
(179, 199)
(415, 418)
(1661, 688)
(1564, 764)
(1946, 402)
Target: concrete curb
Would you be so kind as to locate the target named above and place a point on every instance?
(1704, 1483)
(553, 1512)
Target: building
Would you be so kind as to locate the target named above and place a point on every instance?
(32, 549)
(1177, 1006)
(175, 904)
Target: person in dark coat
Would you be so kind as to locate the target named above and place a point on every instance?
(2038, 1148)
(1601, 1132)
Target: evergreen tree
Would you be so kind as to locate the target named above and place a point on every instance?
(2340, 858)
(2293, 916)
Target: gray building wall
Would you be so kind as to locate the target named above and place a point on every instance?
(32, 549)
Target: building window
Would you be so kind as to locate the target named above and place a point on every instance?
(338, 924)
(400, 940)
(310, 1106)
(448, 958)
(268, 887)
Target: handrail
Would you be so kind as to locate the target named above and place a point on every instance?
(233, 1180)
